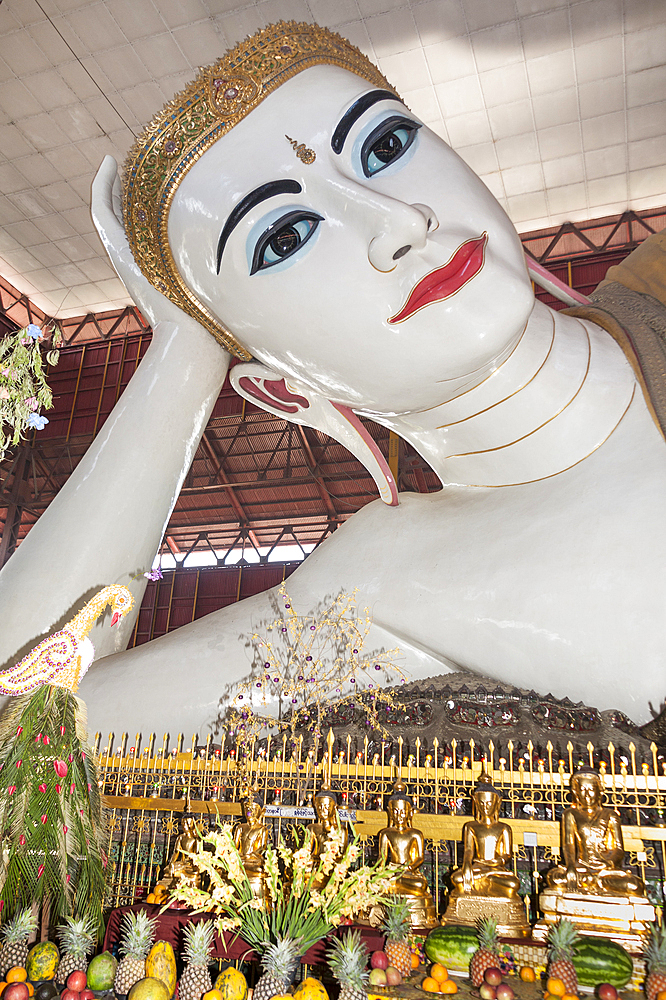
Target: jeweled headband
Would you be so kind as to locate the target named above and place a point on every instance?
(220, 97)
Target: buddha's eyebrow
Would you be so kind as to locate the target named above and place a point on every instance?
(354, 113)
(259, 194)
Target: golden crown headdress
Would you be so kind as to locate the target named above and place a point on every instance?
(209, 107)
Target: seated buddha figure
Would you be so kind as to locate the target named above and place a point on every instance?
(328, 821)
(251, 839)
(179, 869)
(592, 845)
(402, 846)
(485, 884)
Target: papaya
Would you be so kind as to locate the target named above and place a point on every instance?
(311, 989)
(452, 946)
(232, 984)
(102, 972)
(149, 989)
(161, 964)
(599, 960)
(42, 961)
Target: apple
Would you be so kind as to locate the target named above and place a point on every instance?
(504, 992)
(77, 981)
(606, 992)
(492, 976)
(69, 995)
(393, 977)
(89, 995)
(487, 992)
(379, 960)
(377, 977)
(17, 991)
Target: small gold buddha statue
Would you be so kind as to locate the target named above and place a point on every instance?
(591, 888)
(592, 845)
(179, 869)
(401, 846)
(485, 884)
(251, 839)
(326, 809)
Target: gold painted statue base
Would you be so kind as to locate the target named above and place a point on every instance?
(624, 919)
(422, 912)
(509, 913)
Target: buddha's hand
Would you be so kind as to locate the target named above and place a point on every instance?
(572, 878)
(107, 216)
(467, 878)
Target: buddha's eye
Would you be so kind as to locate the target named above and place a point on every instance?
(283, 238)
(387, 143)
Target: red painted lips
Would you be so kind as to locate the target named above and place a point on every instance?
(445, 281)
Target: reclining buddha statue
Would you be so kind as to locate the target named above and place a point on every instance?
(289, 211)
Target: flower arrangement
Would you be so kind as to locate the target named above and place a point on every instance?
(23, 387)
(293, 909)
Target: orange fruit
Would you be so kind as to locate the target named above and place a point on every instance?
(439, 973)
(661, 995)
(556, 987)
(448, 986)
(17, 975)
(212, 995)
(570, 996)
(430, 985)
(31, 989)
(527, 974)
(416, 962)
(2, 986)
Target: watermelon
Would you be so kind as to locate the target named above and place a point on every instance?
(42, 961)
(452, 946)
(599, 960)
(102, 972)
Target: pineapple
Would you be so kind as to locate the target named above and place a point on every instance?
(347, 959)
(77, 940)
(15, 936)
(655, 957)
(562, 939)
(397, 925)
(138, 934)
(195, 980)
(487, 954)
(279, 963)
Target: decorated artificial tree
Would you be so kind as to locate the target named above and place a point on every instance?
(23, 387)
(50, 811)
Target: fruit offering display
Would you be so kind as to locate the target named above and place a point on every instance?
(198, 944)
(655, 959)
(77, 940)
(161, 964)
(42, 962)
(487, 954)
(438, 981)
(347, 958)
(452, 946)
(231, 984)
(136, 937)
(15, 936)
(102, 972)
(397, 926)
(563, 940)
(279, 962)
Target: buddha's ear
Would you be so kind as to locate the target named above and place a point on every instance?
(291, 400)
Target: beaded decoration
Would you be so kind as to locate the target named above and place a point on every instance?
(57, 659)
(209, 107)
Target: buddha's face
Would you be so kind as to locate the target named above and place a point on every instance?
(325, 807)
(320, 262)
(253, 811)
(400, 813)
(586, 791)
(486, 805)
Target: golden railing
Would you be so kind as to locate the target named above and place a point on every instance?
(146, 789)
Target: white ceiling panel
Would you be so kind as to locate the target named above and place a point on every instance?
(560, 105)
